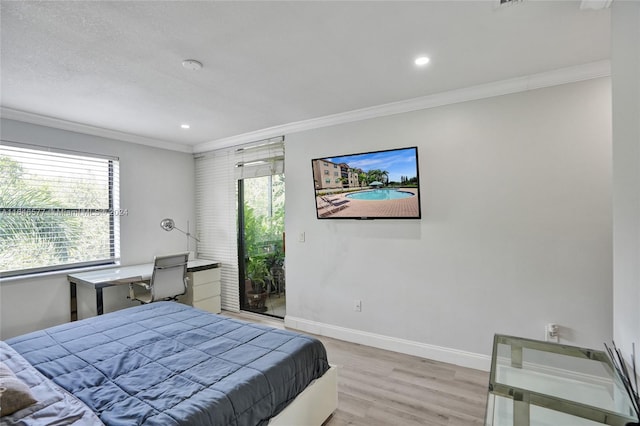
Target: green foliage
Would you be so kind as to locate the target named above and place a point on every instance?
(377, 175)
(263, 215)
(409, 182)
(253, 230)
(258, 272)
(25, 233)
(33, 233)
(263, 226)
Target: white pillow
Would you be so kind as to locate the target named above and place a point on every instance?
(14, 393)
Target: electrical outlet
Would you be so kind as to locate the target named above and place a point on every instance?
(357, 305)
(551, 332)
(301, 237)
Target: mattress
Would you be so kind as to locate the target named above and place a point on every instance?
(169, 364)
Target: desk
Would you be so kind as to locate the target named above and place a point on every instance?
(109, 277)
(534, 383)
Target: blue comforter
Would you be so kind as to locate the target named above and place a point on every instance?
(169, 364)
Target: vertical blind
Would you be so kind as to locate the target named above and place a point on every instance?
(58, 209)
(217, 175)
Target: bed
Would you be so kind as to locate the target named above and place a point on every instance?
(169, 364)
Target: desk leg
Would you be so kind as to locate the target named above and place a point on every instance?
(521, 406)
(516, 356)
(99, 305)
(74, 302)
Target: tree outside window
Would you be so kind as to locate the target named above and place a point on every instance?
(57, 210)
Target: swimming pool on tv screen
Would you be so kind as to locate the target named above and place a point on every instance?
(379, 195)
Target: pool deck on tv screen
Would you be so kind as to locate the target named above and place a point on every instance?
(372, 185)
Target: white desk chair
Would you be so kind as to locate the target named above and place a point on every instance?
(168, 281)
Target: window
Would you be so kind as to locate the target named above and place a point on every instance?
(58, 209)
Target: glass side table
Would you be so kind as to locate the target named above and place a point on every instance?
(535, 383)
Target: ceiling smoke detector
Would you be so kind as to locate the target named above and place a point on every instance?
(192, 64)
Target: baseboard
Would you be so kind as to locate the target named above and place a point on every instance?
(409, 347)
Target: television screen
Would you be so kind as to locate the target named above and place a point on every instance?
(370, 185)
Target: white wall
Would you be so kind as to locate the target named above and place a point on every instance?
(625, 67)
(154, 184)
(516, 229)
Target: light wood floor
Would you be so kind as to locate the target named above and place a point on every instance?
(378, 387)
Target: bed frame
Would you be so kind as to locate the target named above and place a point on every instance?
(314, 405)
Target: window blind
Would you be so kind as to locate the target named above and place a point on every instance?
(217, 175)
(262, 158)
(59, 209)
(216, 213)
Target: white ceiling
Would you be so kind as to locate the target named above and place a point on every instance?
(117, 65)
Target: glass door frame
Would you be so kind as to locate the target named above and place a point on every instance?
(242, 264)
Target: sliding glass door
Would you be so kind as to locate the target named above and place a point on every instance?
(261, 244)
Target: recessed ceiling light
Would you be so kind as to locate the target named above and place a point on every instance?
(421, 60)
(185, 126)
(192, 64)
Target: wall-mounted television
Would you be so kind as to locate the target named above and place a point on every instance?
(369, 185)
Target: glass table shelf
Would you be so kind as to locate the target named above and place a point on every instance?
(535, 383)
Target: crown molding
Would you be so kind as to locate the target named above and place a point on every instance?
(72, 126)
(498, 88)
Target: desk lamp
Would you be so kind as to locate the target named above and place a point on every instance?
(169, 225)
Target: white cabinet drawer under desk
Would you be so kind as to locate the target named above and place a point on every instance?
(203, 290)
(207, 290)
(204, 277)
(212, 304)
